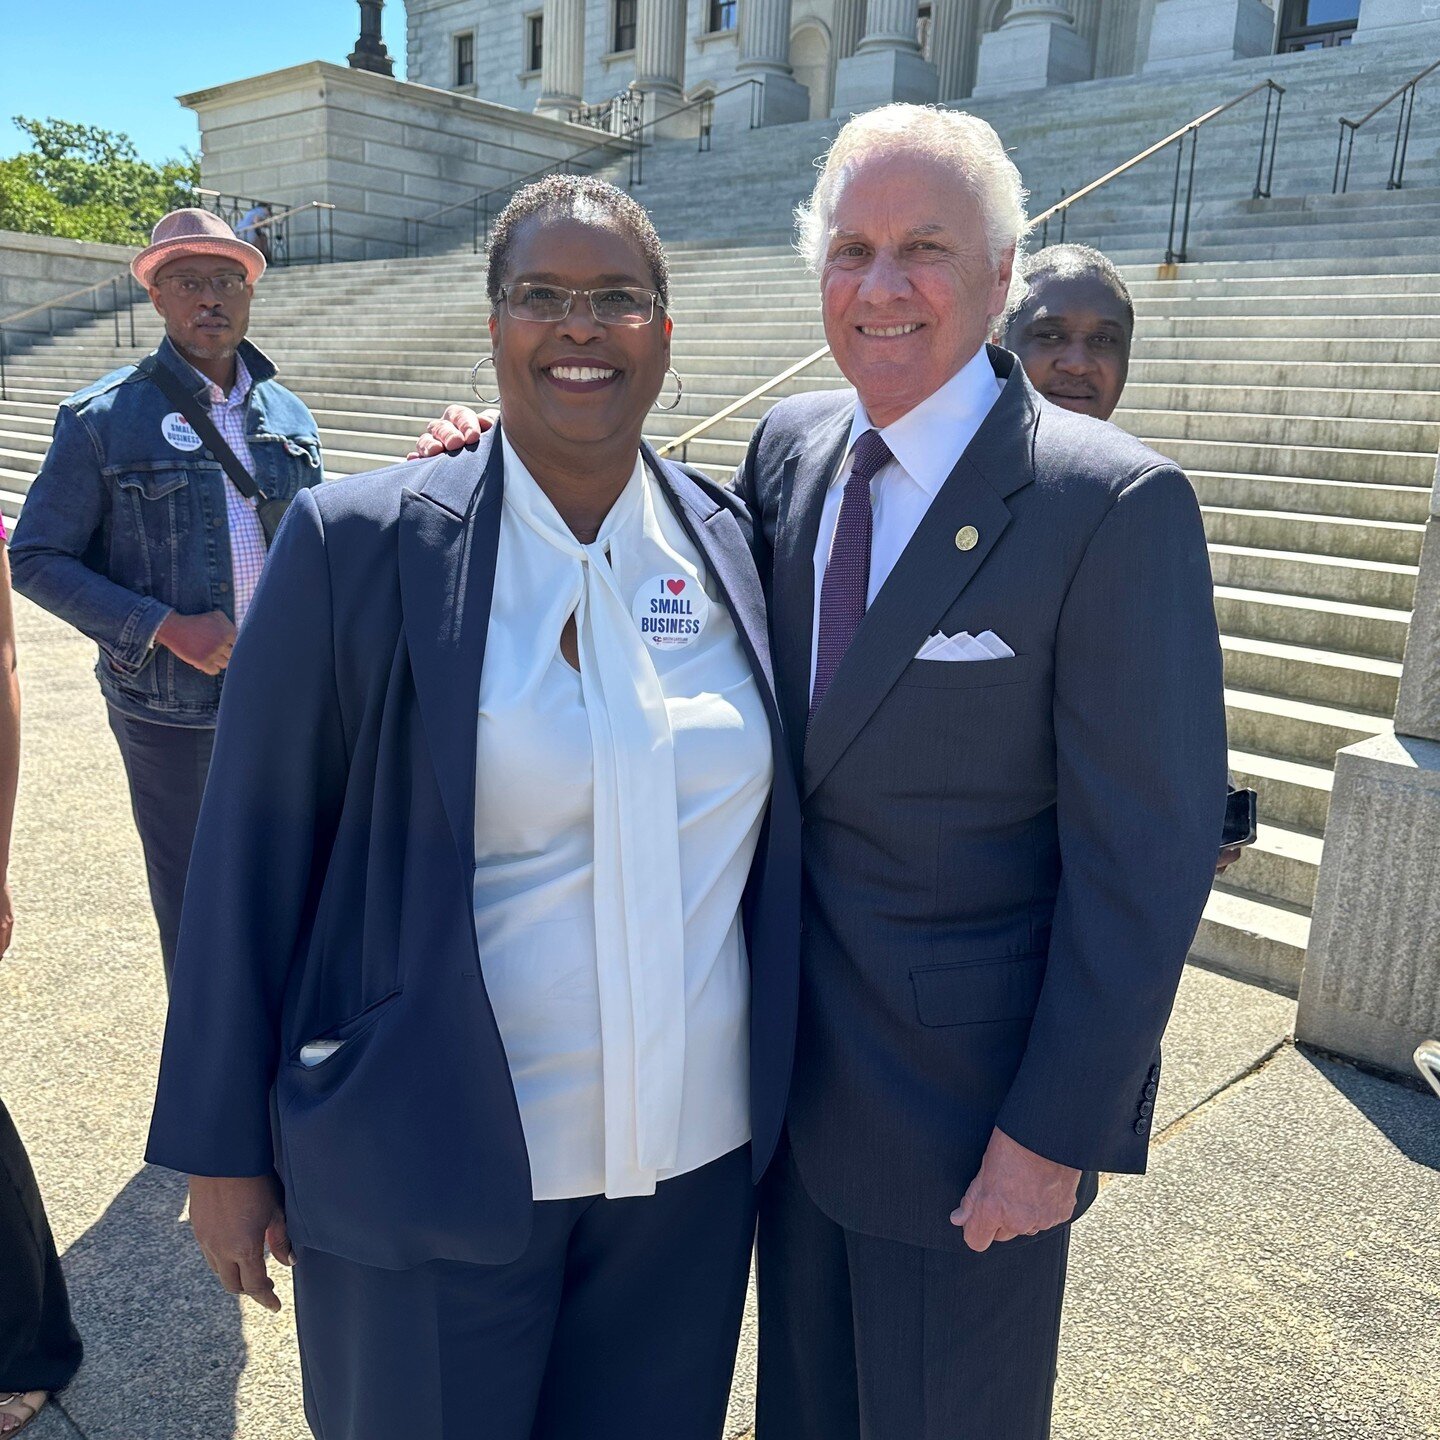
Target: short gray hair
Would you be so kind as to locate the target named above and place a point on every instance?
(964, 141)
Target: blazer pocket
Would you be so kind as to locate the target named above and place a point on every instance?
(970, 674)
(345, 1032)
(978, 992)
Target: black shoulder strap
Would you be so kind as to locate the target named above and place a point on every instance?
(173, 388)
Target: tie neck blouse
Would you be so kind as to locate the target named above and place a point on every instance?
(617, 813)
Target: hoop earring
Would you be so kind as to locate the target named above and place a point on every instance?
(475, 370)
(679, 391)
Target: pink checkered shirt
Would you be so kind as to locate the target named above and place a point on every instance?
(247, 539)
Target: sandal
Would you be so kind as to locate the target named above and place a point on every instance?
(21, 1405)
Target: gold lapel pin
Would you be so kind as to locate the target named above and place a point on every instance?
(967, 537)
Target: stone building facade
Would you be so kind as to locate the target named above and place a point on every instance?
(814, 58)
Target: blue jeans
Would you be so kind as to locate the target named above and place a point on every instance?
(166, 766)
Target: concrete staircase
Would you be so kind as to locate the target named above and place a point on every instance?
(748, 184)
(1293, 371)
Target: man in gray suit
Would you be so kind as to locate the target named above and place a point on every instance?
(998, 664)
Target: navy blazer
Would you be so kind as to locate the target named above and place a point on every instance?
(330, 890)
(1005, 861)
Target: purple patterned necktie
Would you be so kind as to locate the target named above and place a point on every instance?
(847, 576)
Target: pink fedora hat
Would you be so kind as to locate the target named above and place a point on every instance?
(194, 232)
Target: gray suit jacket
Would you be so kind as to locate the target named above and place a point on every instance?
(1005, 861)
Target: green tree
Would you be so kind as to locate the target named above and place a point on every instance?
(88, 183)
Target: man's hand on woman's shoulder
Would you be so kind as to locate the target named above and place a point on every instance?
(458, 427)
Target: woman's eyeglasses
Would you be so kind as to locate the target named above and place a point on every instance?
(610, 304)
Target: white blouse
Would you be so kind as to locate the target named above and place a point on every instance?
(617, 811)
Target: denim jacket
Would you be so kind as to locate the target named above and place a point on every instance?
(120, 526)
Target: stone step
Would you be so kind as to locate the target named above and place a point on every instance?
(1306, 672)
(1346, 626)
(1303, 462)
(1294, 729)
(1283, 864)
(1379, 405)
(1253, 937)
(1373, 541)
(1401, 504)
(1315, 577)
(1292, 431)
(1259, 372)
(1290, 792)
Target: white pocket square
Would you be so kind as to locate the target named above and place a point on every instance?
(965, 646)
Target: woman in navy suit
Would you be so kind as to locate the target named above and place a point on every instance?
(466, 1023)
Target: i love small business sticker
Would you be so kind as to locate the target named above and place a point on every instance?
(670, 611)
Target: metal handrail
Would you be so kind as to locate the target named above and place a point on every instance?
(1264, 170)
(1061, 207)
(324, 231)
(63, 302)
(682, 444)
(479, 203)
(1341, 184)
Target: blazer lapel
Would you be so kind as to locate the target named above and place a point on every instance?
(719, 538)
(449, 538)
(806, 477)
(931, 572)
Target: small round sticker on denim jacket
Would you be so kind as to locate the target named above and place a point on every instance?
(176, 429)
(670, 611)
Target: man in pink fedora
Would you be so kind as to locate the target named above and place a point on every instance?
(148, 524)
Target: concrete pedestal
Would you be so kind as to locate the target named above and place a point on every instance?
(1191, 34)
(1371, 987)
(783, 101)
(876, 77)
(1031, 57)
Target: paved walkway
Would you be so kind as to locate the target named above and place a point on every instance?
(1277, 1275)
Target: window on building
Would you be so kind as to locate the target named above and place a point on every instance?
(465, 58)
(925, 28)
(624, 37)
(722, 15)
(534, 40)
(1317, 24)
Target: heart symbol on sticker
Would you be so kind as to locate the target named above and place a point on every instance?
(674, 586)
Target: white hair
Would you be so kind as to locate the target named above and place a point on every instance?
(963, 141)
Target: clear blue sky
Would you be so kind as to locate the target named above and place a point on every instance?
(121, 63)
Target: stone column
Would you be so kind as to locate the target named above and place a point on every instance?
(660, 56)
(1385, 19)
(765, 56)
(1116, 48)
(1037, 46)
(849, 27)
(562, 58)
(887, 64)
(1191, 34)
(1371, 983)
(952, 50)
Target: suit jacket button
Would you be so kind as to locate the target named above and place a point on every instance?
(1150, 1090)
(1141, 1126)
(1154, 1072)
(1147, 1109)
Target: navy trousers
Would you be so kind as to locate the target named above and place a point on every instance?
(166, 766)
(619, 1322)
(869, 1339)
(39, 1347)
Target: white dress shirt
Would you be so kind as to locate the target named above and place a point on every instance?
(926, 442)
(617, 811)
